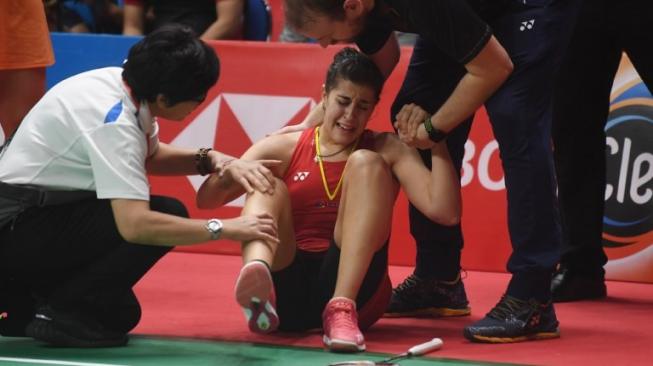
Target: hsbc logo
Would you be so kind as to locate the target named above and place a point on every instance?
(232, 122)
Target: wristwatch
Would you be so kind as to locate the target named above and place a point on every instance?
(214, 227)
(435, 134)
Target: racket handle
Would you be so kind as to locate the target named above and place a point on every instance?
(426, 347)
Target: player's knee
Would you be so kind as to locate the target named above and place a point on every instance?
(367, 163)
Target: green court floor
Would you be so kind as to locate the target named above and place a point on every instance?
(149, 351)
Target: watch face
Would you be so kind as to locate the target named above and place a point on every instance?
(215, 225)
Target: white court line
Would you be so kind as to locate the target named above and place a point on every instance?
(54, 362)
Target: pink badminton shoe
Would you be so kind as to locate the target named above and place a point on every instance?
(255, 294)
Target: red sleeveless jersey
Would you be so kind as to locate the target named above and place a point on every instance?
(314, 215)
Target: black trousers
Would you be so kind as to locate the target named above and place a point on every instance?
(520, 114)
(72, 257)
(605, 29)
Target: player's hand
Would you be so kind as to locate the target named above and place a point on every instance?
(410, 126)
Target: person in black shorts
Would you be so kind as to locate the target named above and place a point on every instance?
(501, 53)
(603, 31)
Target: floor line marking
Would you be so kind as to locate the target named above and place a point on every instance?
(54, 362)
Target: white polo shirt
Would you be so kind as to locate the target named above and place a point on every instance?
(84, 134)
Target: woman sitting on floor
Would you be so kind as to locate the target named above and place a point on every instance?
(333, 204)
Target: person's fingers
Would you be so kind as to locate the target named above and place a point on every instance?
(267, 224)
(269, 162)
(264, 215)
(400, 119)
(401, 128)
(245, 183)
(405, 123)
(416, 118)
(270, 238)
(268, 221)
(267, 174)
(257, 180)
(268, 229)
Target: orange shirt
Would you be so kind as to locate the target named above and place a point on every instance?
(24, 36)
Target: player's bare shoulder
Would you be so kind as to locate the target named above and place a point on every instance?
(278, 146)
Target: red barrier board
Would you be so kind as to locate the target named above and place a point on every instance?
(265, 86)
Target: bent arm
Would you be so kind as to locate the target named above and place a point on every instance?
(230, 18)
(138, 224)
(218, 190)
(172, 160)
(485, 74)
(388, 56)
(435, 193)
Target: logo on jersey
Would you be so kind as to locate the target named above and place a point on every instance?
(325, 204)
(628, 214)
(300, 176)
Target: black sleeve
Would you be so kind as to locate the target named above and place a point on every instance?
(374, 36)
(452, 25)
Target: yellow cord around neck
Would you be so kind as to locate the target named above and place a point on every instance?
(330, 195)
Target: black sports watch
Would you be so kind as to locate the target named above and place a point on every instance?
(435, 134)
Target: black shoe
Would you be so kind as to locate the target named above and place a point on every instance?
(568, 285)
(514, 320)
(416, 297)
(70, 330)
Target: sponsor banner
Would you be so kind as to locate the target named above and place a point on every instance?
(628, 214)
(265, 86)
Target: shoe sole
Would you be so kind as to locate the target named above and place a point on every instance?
(529, 337)
(430, 313)
(254, 289)
(338, 345)
(45, 331)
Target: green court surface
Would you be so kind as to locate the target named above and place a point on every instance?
(149, 351)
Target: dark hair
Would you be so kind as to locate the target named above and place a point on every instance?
(350, 64)
(296, 11)
(173, 62)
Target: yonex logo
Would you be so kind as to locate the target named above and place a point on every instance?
(529, 24)
(300, 176)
